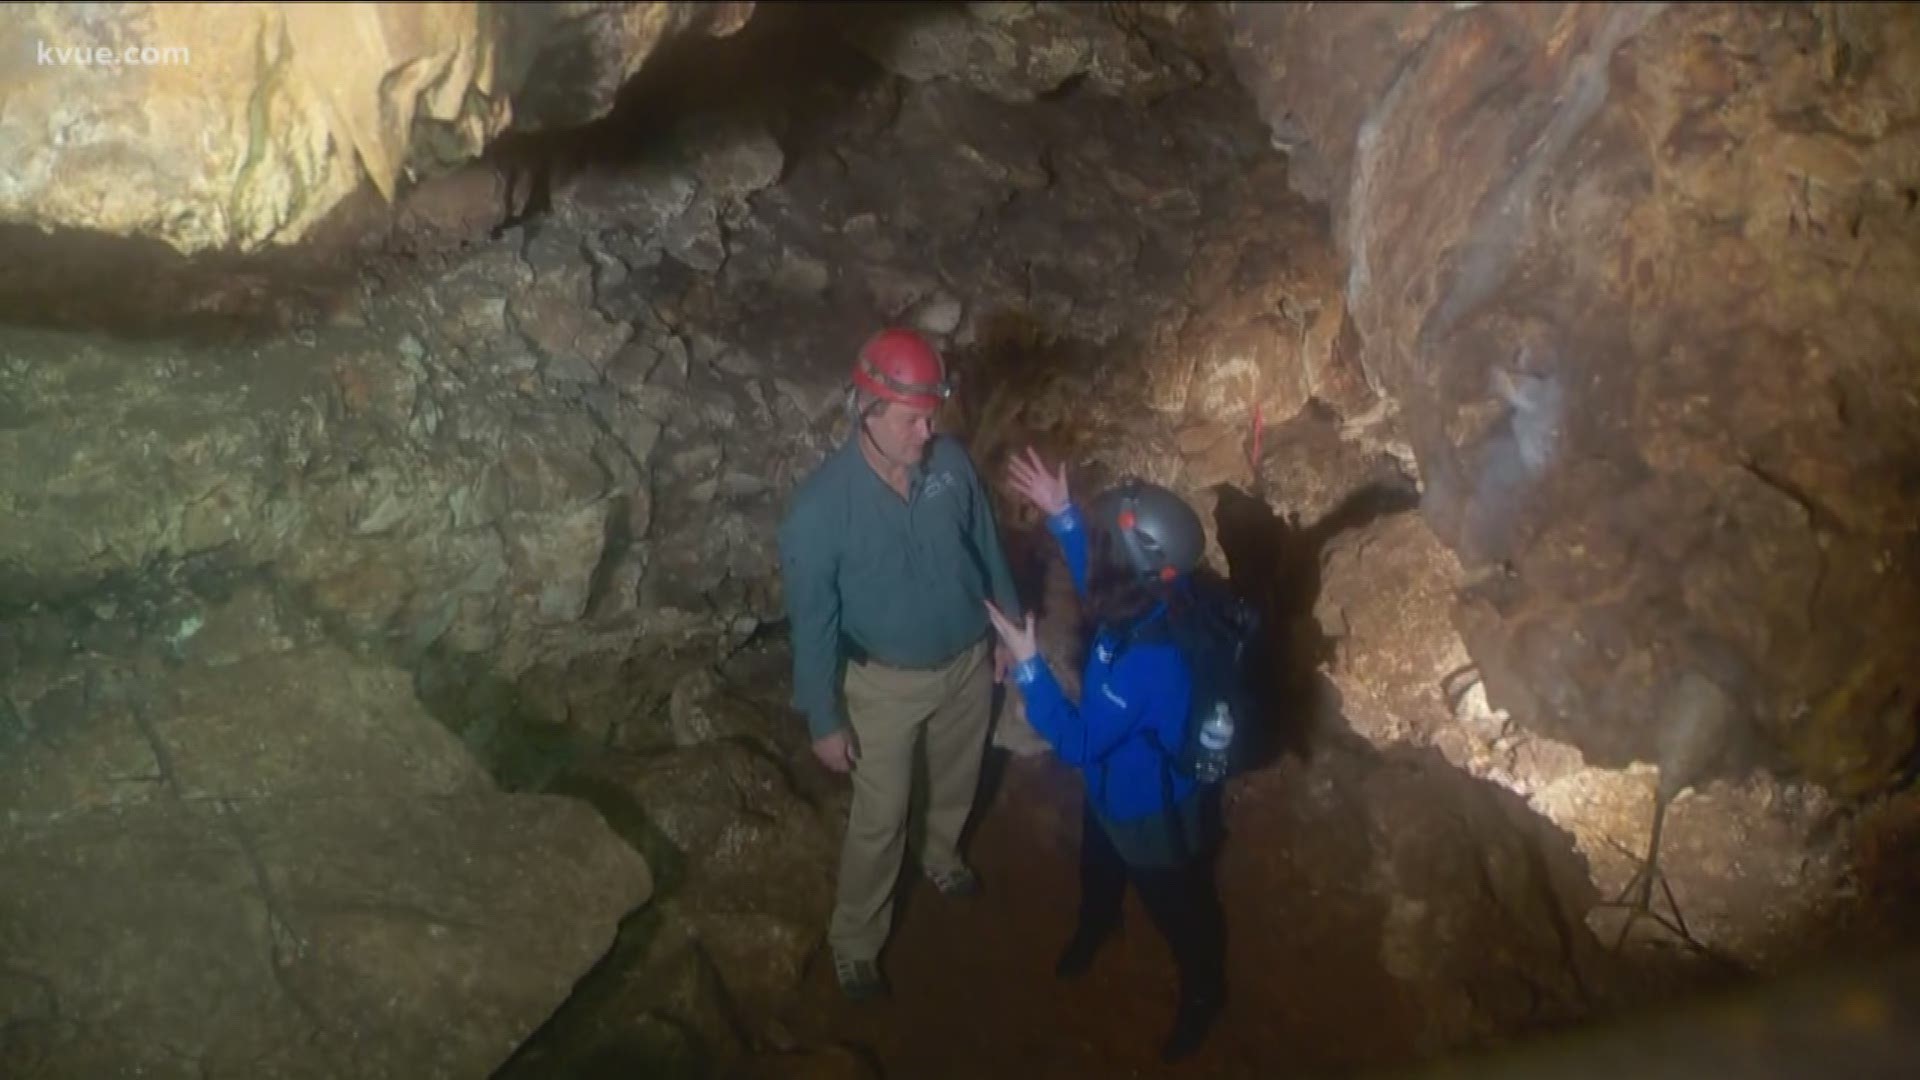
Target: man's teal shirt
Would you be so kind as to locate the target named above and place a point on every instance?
(901, 582)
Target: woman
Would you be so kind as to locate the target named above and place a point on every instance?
(1132, 715)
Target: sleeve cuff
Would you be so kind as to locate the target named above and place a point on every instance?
(822, 722)
(1065, 521)
(1028, 671)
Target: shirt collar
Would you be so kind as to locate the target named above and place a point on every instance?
(916, 473)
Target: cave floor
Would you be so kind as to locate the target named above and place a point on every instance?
(974, 992)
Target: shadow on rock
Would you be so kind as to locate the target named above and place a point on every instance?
(1274, 563)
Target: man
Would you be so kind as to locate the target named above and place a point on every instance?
(888, 553)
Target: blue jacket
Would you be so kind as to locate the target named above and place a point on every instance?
(1143, 691)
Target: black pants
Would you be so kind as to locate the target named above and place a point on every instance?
(1181, 901)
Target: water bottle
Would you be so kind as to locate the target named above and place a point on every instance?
(1216, 735)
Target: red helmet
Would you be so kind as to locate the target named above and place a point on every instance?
(899, 365)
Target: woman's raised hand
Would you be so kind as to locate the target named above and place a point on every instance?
(1046, 491)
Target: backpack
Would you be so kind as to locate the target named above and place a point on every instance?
(1216, 632)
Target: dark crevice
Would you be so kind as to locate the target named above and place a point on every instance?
(1275, 563)
(162, 757)
(789, 64)
(519, 747)
(282, 937)
(1539, 875)
(1817, 513)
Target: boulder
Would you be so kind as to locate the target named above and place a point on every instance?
(268, 860)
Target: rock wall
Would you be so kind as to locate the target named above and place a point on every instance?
(230, 126)
(1757, 867)
(1634, 277)
(531, 444)
(235, 849)
(538, 460)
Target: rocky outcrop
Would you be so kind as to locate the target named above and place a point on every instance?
(716, 786)
(1755, 865)
(233, 849)
(231, 126)
(468, 463)
(1020, 52)
(1634, 276)
(578, 55)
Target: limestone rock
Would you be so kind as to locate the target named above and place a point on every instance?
(663, 1012)
(559, 318)
(1454, 918)
(1310, 465)
(1385, 598)
(1504, 934)
(702, 710)
(1017, 52)
(277, 866)
(447, 209)
(760, 861)
(732, 157)
(937, 315)
(235, 126)
(584, 52)
(638, 202)
(1752, 865)
(1570, 329)
(303, 937)
(553, 558)
(549, 464)
(169, 457)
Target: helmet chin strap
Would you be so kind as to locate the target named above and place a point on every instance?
(867, 432)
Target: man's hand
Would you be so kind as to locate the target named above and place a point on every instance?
(1019, 640)
(1002, 660)
(836, 751)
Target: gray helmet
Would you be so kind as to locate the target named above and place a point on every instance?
(1159, 534)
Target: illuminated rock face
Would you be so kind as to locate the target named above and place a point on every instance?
(1636, 277)
(232, 126)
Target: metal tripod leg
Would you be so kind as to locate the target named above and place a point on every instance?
(1640, 888)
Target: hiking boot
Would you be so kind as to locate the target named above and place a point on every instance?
(1190, 1026)
(860, 980)
(956, 884)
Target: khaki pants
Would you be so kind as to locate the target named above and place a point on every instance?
(891, 710)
